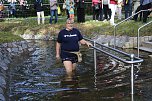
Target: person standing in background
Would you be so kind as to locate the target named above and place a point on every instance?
(80, 11)
(1, 6)
(106, 10)
(136, 3)
(71, 11)
(137, 10)
(113, 7)
(67, 3)
(38, 5)
(146, 4)
(53, 11)
(12, 8)
(1, 9)
(119, 9)
(127, 8)
(101, 11)
(23, 8)
(96, 8)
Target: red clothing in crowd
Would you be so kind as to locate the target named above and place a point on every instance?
(95, 2)
(113, 2)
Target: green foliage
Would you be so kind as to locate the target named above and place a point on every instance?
(130, 28)
(9, 37)
(9, 29)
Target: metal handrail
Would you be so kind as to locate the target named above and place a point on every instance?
(133, 59)
(120, 59)
(116, 50)
(115, 26)
(139, 36)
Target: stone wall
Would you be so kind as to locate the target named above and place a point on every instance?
(121, 41)
(7, 52)
(37, 37)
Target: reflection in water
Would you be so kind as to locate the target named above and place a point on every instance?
(71, 88)
(132, 97)
(38, 77)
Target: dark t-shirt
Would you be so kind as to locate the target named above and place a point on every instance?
(69, 39)
(38, 6)
(80, 4)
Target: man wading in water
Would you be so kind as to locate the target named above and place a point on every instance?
(68, 43)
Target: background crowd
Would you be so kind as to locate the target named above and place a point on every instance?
(106, 9)
(102, 10)
(11, 7)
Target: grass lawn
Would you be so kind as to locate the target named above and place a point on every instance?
(11, 29)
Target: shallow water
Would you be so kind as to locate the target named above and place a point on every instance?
(39, 77)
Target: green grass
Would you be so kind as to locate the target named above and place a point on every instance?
(10, 29)
(130, 28)
(9, 37)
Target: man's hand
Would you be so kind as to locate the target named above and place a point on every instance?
(88, 44)
(85, 42)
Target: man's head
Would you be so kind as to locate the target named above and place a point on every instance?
(69, 24)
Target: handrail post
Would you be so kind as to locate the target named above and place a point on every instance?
(132, 74)
(115, 36)
(138, 36)
(95, 56)
(95, 64)
(132, 97)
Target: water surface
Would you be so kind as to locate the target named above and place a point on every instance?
(39, 77)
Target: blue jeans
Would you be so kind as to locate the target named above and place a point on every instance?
(54, 13)
(128, 10)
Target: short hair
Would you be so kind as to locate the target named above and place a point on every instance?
(69, 20)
